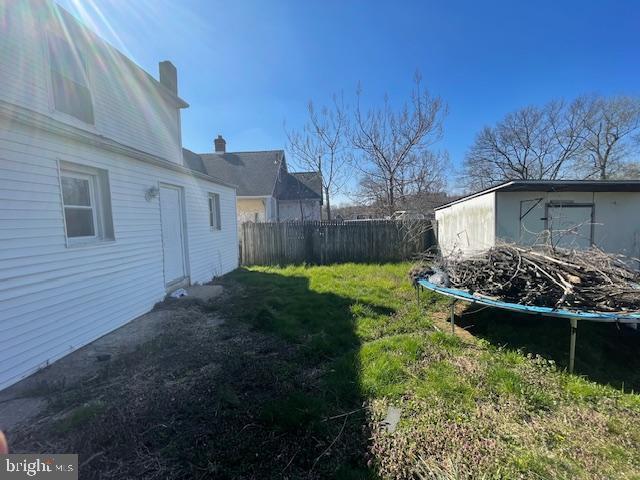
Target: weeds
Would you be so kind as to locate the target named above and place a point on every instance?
(298, 381)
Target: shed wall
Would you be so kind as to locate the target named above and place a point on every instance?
(467, 227)
(616, 226)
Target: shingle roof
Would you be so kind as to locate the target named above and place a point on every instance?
(304, 185)
(313, 180)
(255, 173)
(193, 161)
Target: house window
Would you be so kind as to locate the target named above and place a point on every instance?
(214, 211)
(86, 203)
(71, 94)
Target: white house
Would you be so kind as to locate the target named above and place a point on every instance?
(567, 213)
(266, 190)
(99, 215)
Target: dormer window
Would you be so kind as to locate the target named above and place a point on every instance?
(71, 94)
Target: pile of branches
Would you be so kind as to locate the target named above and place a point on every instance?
(575, 279)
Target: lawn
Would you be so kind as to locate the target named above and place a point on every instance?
(298, 381)
(470, 408)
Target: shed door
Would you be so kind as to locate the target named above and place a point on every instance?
(570, 225)
(172, 233)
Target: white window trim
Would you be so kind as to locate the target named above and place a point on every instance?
(94, 201)
(215, 216)
(66, 169)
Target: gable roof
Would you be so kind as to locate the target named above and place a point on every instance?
(254, 173)
(300, 186)
(313, 181)
(555, 186)
(257, 174)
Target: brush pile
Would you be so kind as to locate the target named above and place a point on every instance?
(575, 279)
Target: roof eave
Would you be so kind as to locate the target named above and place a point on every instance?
(564, 185)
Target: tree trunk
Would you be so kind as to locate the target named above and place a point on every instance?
(603, 172)
(391, 196)
(326, 197)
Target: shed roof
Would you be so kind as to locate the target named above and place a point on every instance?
(555, 186)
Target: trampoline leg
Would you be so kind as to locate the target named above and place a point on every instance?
(453, 317)
(572, 343)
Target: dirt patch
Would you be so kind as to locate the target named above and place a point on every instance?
(190, 402)
(27, 398)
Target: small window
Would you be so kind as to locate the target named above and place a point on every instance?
(214, 211)
(86, 203)
(71, 94)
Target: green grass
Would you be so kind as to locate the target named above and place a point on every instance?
(511, 414)
(298, 379)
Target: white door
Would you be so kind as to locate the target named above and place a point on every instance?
(172, 233)
(570, 225)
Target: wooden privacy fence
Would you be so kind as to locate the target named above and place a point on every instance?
(333, 242)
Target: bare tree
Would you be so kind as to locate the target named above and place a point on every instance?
(529, 144)
(588, 137)
(628, 171)
(394, 147)
(610, 135)
(322, 146)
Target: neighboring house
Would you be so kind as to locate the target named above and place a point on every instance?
(266, 190)
(99, 216)
(570, 213)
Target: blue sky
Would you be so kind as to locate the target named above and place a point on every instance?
(246, 67)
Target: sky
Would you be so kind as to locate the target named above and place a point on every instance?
(249, 67)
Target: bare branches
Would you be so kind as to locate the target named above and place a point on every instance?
(610, 134)
(588, 137)
(322, 145)
(394, 158)
(559, 278)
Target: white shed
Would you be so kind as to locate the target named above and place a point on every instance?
(568, 213)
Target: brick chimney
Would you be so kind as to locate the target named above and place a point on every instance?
(168, 76)
(220, 144)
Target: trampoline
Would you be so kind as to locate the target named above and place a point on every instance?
(572, 315)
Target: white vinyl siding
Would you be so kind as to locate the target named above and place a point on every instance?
(299, 210)
(468, 227)
(127, 104)
(54, 299)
